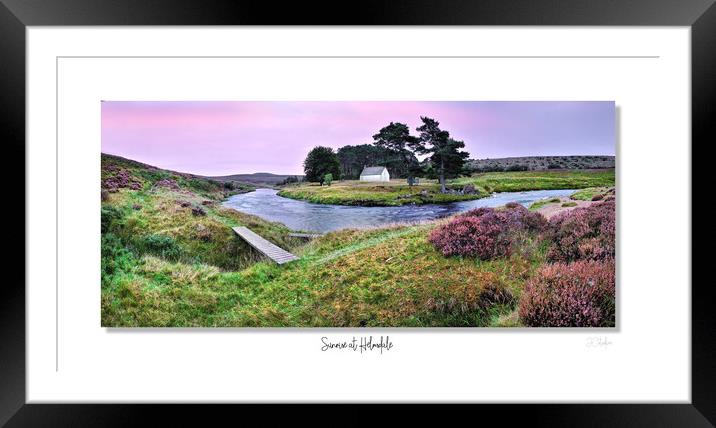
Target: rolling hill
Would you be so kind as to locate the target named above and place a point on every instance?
(255, 178)
(538, 163)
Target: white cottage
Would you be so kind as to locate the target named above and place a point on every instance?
(375, 173)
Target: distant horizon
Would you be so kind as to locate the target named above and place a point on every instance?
(301, 173)
(219, 138)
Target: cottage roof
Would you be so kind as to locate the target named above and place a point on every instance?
(372, 170)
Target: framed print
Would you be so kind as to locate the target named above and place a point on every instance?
(486, 203)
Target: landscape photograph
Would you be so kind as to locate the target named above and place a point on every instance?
(483, 214)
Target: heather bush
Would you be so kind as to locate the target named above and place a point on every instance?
(578, 294)
(122, 179)
(483, 237)
(583, 234)
(477, 212)
(518, 218)
(515, 216)
(486, 233)
(168, 183)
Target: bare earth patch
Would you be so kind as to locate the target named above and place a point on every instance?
(552, 209)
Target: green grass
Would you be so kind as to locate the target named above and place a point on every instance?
(539, 180)
(569, 204)
(543, 202)
(393, 193)
(588, 193)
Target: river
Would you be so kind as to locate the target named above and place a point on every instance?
(302, 215)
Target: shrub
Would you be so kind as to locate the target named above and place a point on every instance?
(110, 214)
(486, 233)
(483, 237)
(162, 245)
(518, 218)
(290, 179)
(469, 189)
(579, 294)
(477, 212)
(517, 167)
(122, 179)
(583, 233)
(202, 186)
(115, 256)
(515, 216)
(168, 183)
(328, 179)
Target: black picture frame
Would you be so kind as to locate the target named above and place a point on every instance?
(16, 15)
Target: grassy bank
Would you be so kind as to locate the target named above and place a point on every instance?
(383, 277)
(396, 192)
(591, 193)
(539, 180)
(149, 215)
(392, 193)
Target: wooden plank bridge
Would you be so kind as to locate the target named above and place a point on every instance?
(274, 252)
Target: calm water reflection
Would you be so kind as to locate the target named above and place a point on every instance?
(301, 215)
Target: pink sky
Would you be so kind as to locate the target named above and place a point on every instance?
(221, 138)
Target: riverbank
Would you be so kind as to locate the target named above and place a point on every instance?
(397, 193)
(550, 207)
(383, 194)
(521, 181)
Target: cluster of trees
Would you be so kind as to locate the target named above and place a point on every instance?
(354, 158)
(291, 179)
(395, 148)
(321, 162)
